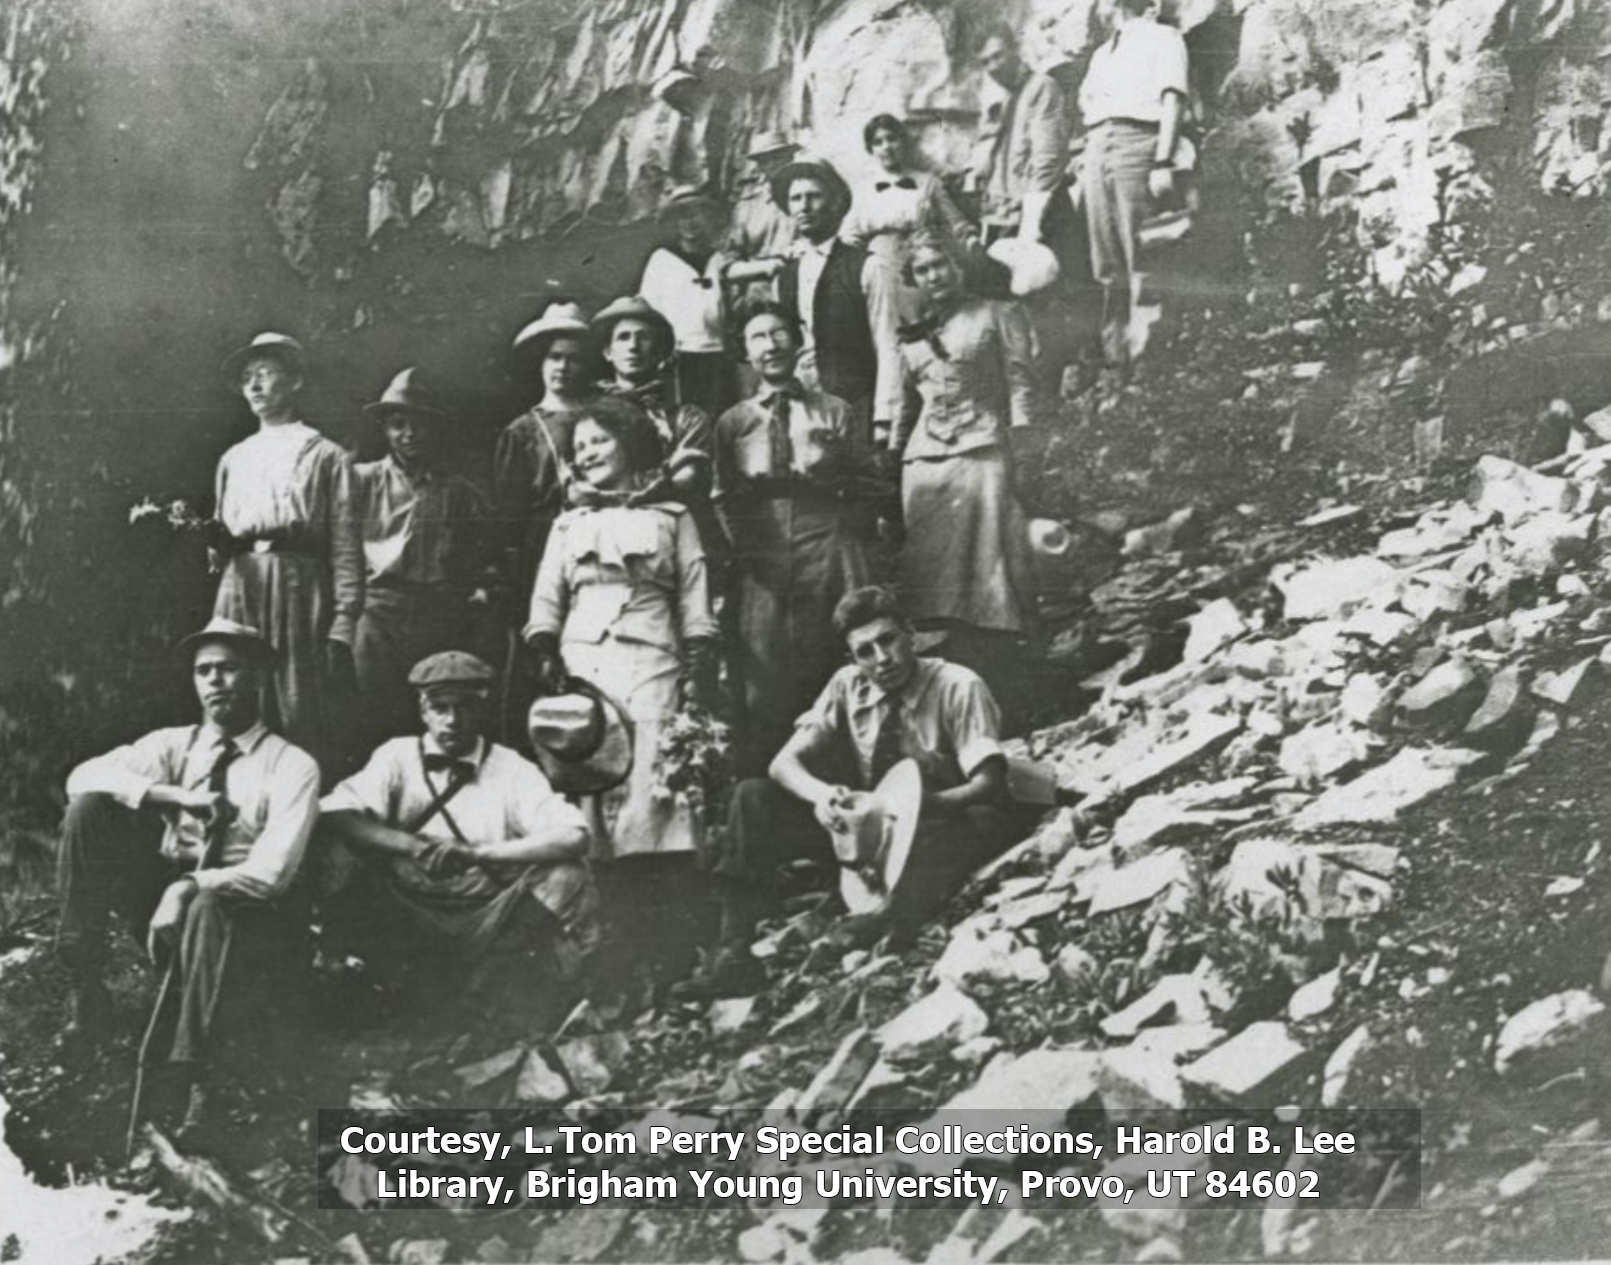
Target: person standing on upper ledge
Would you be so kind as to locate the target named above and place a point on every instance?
(845, 300)
(1132, 99)
(1023, 188)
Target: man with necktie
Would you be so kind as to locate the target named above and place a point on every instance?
(794, 489)
(451, 863)
(885, 706)
(194, 835)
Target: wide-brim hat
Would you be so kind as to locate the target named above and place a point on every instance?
(258, 648)
(771, 141)
(582, 739)
(558, 320)
(408, 392)
(281, 346)
(634, 307)
(686, 196)
(1032, 264)
(819, 168)
(871, 880)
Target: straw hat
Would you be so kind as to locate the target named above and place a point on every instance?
(582, 739)
(1032, 264)
(634, 307)
(771, 141)
(281, 347)
(821, 169)
(243, 637)
(874, 848)
(557, 319)
(686, 196)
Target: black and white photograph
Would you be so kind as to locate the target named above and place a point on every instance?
(863, 632)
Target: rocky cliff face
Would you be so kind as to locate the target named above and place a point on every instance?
(532, 128)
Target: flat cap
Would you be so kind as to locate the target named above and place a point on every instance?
(450, 668)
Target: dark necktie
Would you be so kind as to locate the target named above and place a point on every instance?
(905, 182)
(218, 824)
(888, 749)
(779, 444)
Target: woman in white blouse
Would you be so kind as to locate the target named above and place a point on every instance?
(291, 551)
(682, 280)
(901, 199)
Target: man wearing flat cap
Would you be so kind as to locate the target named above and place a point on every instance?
(194, 836)
(464, 869)
(426, 546)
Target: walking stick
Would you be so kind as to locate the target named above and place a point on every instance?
(216, 830)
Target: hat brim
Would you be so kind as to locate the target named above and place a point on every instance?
(787, 174)
(294, 360)
(901, 796)
(259, 651)
(608, 766)
(605, 322)
(534, 346)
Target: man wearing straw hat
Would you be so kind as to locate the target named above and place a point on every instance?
(194, 836)
(846, 301)
(424, 546)
(760, 229)
(462, 863)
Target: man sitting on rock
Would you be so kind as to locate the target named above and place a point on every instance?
(469, 868)
(886, 706)
(195, 834)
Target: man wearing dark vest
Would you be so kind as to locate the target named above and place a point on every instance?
(844, 299)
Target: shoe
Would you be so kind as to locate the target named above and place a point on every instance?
(89, 1019)
(727, 973)
(199, 1113)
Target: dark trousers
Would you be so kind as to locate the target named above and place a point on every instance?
(111, 861)
(768, 827)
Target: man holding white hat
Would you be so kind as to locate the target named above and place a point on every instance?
(194, 835)
(852, 757)
(460, 857)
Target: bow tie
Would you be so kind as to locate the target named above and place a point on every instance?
(460, 770)
(925, 331)
(905, 182)
(788, 390)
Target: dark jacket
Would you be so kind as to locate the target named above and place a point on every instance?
(847, 360)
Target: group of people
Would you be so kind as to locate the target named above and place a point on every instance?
(689, 519)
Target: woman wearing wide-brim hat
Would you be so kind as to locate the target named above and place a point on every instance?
(290, 555)
(682, 279)
(558, 352)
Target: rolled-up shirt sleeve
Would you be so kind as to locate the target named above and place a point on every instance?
(975, 723)
(269, 868)
(128, 773)
(824, 720)
(371, 790)
(537, 808)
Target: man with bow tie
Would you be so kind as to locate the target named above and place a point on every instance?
(794, 487)
(193, 835)
(885, 706)
(845, 301)
(452, 861)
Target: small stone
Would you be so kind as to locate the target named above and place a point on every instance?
(976, 954)
(1215, 626)
(1428, 594)
(1514, 492)
(1558, 1032)
(1566, 688)
(1249, 1066)
(539, 1084)
(840, 1077)
(1445, 696)
(1505, 717)
(764, 1242)
(1318, 753)
(1437, 530)
(418, 1252)
(1314, 998)
(1040, 1087)
(1075, 966)
(591, 1062)
(1136, 883)
(1381, 794)
(944, 1017)
(1336, 1080)
(1363, 701)
(1331, 587)
(1160, 1249)
(1174, 998)
(478, 1075)
(1519, 1181)
(728, 1014)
